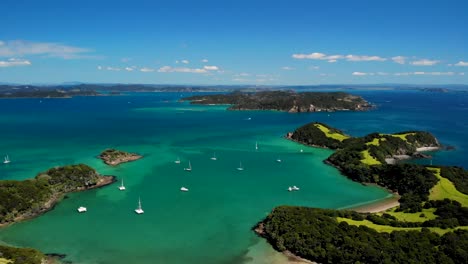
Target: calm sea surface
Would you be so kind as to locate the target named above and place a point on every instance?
(212, 222)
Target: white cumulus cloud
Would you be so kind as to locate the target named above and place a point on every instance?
(185, 61)
(364, 58)
(461, 63)
(359, 73)
(147, 69)
(287, 68)
(14, 62)
(204, 60)
(181, 69)
(399, 59)
(211, 68)
(22, 48)
(424, 62)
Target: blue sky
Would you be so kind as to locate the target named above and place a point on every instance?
(239, 42)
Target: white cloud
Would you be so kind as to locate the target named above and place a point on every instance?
(399, 59)
(424, 62)
(318, 56)
(99, 67)
(314, 67)
(287, 68)
(359, 73)
(211, 68)
(242, 74)
(129, 68)
(185, 61)
(181, 69)
(382, 73)
(364, 58)
(461, 63)
(147, 69)
(22, 48)
(204, 60)
(424, 73)
(335, 58)
(113, 69)
(14, 62)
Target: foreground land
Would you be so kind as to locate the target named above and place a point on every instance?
(287, 101)
(430, 225)
(21, 200)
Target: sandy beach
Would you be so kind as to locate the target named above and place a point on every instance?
(422, 149)
(379, 206)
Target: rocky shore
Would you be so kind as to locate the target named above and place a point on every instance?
(114, 157)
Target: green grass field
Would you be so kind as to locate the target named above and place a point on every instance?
(375, 141)
(413, 217)
(368, 159)
(402, 136)
(389, 229)
(446, 189)
(329, 134)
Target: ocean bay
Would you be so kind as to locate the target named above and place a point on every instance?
(212, 222)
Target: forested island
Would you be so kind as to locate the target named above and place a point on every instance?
(31, 91)
(429, 226)
(114, 157)
(20, 200)
(288, 101)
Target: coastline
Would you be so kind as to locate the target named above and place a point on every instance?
(55, 199)
(377, 206)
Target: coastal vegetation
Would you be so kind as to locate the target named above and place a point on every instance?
(332, 236)
(21, 200)
(288, 101)
(429, 226)
(114, 157)
(25, 199)
(12, 255)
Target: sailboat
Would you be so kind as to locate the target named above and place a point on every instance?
(256, 145)
(139, 210)
(184, 189)
(189, 167)
(240, 167)
(7, 160)
(177, 161)
(122, 187)
(214, 156)
(279, 160)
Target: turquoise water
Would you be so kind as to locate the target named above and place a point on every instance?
(211, 223)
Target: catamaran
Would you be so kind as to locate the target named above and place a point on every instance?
(139, 210)
(214, 156)
(122, 187)
(7, 160)
(177, 161)
(240, 167)
(189, 167)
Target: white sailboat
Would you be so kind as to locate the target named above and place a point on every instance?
(256, 145)
(82, 209)
(279, 160)
(240, 167)
(189, 167)
(183, 189)
(6, 160)
(122, 187)
(177, 161)
(139, 210)
(214, 156)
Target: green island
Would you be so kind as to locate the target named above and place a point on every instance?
(21, 200)
(114, 157)
(430, 225)
(287, 101)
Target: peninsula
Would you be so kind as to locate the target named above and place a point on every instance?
(430, 225)
(21, 200)
(114, 157)
(286, 101)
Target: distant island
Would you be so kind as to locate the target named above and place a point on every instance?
(31, 91)
(114, 157)
(288, 101)
(430, 225)
(21, 200)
